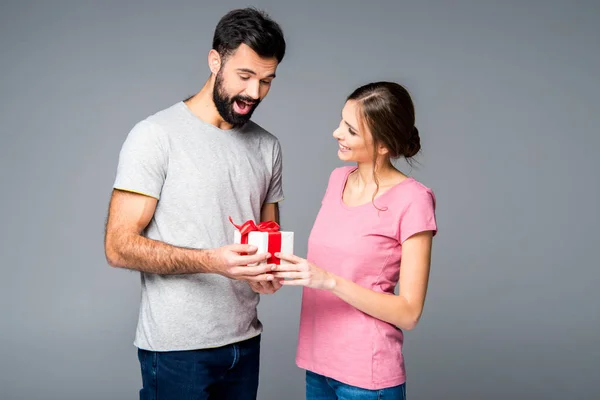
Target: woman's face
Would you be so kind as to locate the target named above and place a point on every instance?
(354, 144)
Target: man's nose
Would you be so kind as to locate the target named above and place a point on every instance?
(253, 90)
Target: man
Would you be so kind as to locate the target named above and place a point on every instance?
(182, 172)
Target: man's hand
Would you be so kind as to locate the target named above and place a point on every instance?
(229, 261)
(265, 287)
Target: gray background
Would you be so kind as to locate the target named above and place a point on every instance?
(508, 109)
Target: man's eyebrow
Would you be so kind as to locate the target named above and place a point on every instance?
(249, 71)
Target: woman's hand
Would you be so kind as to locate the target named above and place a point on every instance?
(302, 273)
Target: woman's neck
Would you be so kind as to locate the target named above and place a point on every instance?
(364, 177)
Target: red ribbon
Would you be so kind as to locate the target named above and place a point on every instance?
(272, 229)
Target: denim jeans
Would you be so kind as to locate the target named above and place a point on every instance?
(319, 387)
(224, 373)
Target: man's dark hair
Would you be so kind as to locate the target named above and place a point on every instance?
(251, 27)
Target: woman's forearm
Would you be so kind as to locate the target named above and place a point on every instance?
(390, 308)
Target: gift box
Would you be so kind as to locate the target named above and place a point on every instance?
(267, 237)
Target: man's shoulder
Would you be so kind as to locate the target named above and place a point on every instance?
(159, 123)
(155, 127)
(255, 129)
(165, 116)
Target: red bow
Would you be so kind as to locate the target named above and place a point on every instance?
(250, 226)
(271, 227)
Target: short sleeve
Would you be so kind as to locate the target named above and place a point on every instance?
(275, 192)
(419, 216)
(143, 161)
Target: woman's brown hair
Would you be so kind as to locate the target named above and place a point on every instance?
(387, 111)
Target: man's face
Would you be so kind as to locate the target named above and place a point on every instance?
(243, 80)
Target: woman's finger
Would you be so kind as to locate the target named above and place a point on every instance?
(289, 258)
(288, 268)
(290, 275)
(296, 282)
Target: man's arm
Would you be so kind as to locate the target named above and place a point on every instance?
(270, 212)
(125, 247)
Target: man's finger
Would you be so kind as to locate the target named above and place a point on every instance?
(242, 271)
(259, 278)
(259, 287)
(256, 270)
(243, 248)
(276, 284)
(269, 287)
(255, 287)
(252, 259)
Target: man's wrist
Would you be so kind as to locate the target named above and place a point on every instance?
(207, 261)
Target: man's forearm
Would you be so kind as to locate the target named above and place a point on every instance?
(138, 253)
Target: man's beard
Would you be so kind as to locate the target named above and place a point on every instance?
(224, 104)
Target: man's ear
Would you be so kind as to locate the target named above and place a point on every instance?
(214, 61)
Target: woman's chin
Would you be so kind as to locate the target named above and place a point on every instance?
(343, 155)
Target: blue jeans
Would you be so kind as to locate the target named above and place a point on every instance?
(224, 373)
(319, 387)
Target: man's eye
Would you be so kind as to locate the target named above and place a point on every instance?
(265, 82)
(244, 78)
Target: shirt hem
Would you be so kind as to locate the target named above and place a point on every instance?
(123, 189)
(378, 385)
(144, 345)
(274, 200)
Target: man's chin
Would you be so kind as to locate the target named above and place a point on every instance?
(240, 119)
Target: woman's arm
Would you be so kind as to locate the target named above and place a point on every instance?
(403, 310)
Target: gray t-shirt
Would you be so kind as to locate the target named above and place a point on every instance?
(201, 176)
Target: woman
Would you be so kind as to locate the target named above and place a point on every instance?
(375, 228)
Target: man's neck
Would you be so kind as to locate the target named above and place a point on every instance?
(203, 107)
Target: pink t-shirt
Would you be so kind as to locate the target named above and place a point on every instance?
(363, 245)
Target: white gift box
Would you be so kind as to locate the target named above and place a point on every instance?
(261, 241)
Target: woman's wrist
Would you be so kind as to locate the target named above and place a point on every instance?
(331, 282)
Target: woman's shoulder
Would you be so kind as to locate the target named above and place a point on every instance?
(341, 172)
(408, 192)
(417, 192)
(337, 179)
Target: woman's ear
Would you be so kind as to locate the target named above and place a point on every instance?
(382, 150)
